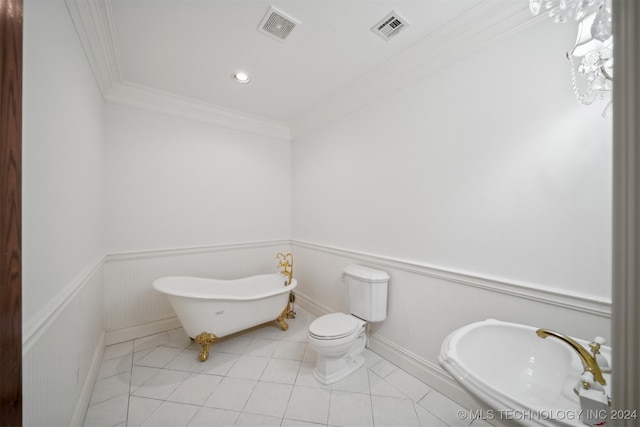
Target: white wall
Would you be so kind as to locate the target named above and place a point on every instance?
(489, 166)
(174, 183)
(63, 164)
(187, 198)
(63, 216)
(484, 190)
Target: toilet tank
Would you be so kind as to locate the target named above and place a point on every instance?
(367, 292)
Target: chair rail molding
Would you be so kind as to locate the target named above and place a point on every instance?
(566, 299)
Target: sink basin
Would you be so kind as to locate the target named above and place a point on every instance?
(518, 375)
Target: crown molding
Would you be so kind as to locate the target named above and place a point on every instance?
(94, 25)
(149, 99)
(488, 21)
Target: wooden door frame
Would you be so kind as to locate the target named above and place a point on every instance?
(11, 19)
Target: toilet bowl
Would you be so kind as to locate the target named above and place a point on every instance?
(338, 340)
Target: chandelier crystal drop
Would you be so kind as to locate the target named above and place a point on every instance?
(591, 59)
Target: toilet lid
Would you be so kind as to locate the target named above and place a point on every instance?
(334, 325)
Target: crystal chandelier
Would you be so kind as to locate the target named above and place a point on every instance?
(591, 59)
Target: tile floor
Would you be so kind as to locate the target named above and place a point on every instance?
(260, 377)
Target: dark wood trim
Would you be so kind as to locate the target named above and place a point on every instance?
(11, 18)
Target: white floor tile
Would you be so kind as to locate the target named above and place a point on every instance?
(305, 376)
(150, 342)
(248, 367)
(409, 385)
(392, 412)
(115, 366)
(380, 387)
(426, 418)
(263, 376)
(357, 382)
(309, 355)
(297, 423)
(262, 347)
(231, 393)
(187, 360)
(218, 363)
(281, 371)
(309, 404)
(383, 368)
(117, 350)
(196, 389)
(290, 350)
(111, 387)
(108, 413)
(178, 338)
(371, 358)
(207, 417)
(233, 344)
(139, 410)
(159, 357)
(444, 408)
(140, 375)
(161, 384)
(171, 414)
(350, 409)
(253, 420)
(269, 399)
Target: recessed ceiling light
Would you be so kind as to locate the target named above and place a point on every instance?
(241, 77)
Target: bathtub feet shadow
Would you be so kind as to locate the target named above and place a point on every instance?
(205, 339)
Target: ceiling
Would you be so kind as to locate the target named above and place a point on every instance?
(180, 54)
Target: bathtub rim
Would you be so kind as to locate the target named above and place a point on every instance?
(157, 285)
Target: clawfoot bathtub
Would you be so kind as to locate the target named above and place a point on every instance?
(209, 309)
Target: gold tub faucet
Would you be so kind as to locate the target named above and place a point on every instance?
(588, 361)
(285, 261)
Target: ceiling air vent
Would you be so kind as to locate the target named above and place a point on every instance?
(277, 25)
(390, 25)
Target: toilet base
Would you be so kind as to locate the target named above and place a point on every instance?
(334, 367)
(351, 364)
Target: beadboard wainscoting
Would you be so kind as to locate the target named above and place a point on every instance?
(426, 303)
(133, 309)
(62, 350)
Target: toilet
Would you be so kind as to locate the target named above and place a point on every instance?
(338, 338)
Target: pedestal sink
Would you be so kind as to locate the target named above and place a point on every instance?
(519, 377)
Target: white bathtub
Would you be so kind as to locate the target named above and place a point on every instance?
(222, 307)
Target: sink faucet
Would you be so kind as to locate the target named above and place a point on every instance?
(588, 361)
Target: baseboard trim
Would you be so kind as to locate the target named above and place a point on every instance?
(128, 333)
(425, 371)
(82, 404)
(311, 306)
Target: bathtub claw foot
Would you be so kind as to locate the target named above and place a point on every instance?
(283, 323)
(205, 339)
